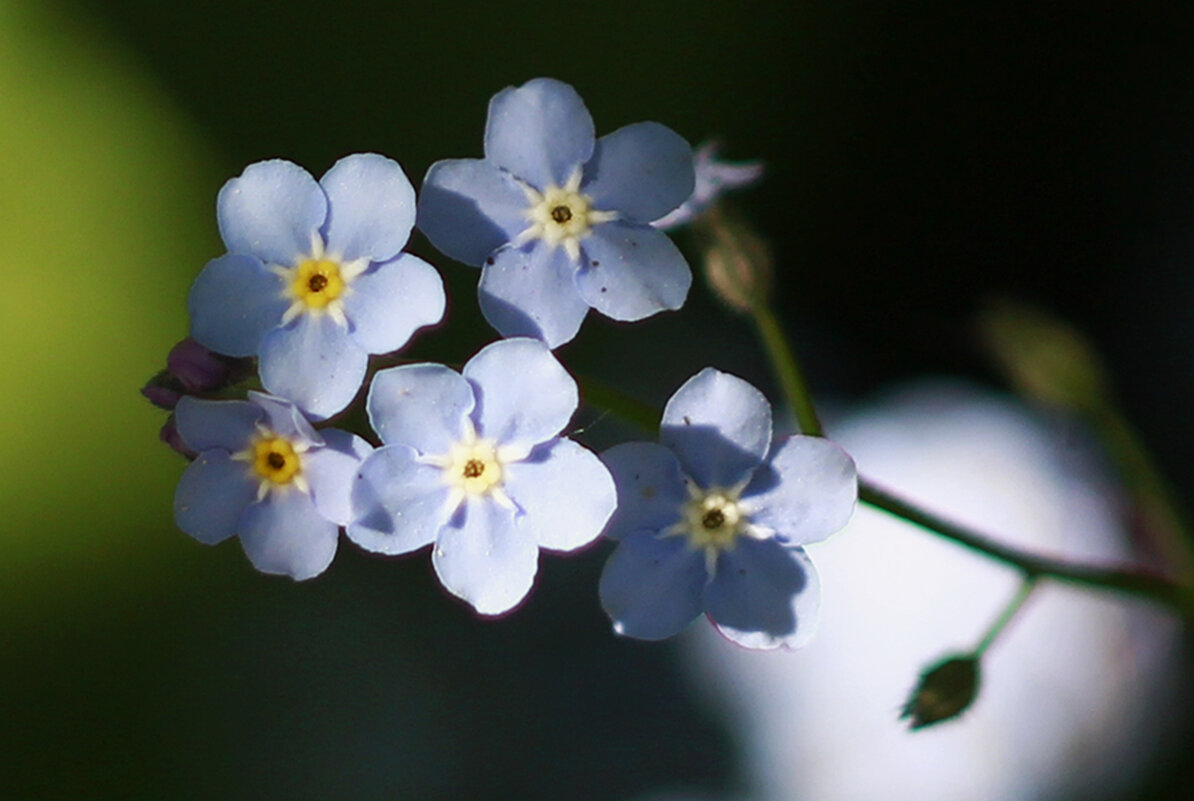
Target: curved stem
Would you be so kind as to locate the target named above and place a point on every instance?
(1027, 585)
(1126, 580)
(783, 360)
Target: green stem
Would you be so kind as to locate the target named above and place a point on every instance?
(783, 360)
(1027, 585)
(1129, 581)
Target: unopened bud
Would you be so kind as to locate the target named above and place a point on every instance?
(944, 691)
(161, 395)
(196, 367)
(738, 263)
(1045, 357)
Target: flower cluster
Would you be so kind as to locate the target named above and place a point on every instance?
(476, 463)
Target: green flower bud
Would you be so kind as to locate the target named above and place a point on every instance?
(944, 691)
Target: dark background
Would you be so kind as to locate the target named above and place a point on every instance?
(922, 158)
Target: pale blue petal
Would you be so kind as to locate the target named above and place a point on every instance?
(804, 492)
(564, 493)
(284, 534)
(211, 495)
(524, 396)
(651, 587)
(531, 292)
(314, 363)
(764, 595)
(284, 418)
(271, 211)
(398, 503)
(391, 300)
(422, 406)
(642, 170)
(371, 208)
(484, 558)
(233, 303)
(206, 424)
(331, 472)
(539, 131)
(650, 488)
(469, 208)
(632, 271)
(719, 426)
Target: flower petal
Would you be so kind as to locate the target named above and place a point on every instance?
(564, 492)
(532, 292)
(284, 418)
(422, 406)
(650, 488)
(805, 492)
(391, 300)
(331, 472)
(271, 211)
(484, 558)
(719, 426)
(371, 207)
(642, 170)
(234, 302)
(764, 595)
(469, 208)
(651, 587)
(632, 271)
(314, 363)
(207, 424)
(399, 504)
(211, 495)
(539, 131)
(284, 534)
(524, 396)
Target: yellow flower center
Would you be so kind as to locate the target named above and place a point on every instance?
(561, 215)
(275, 460)
(713, 519)
(317, 283)
(474, 468)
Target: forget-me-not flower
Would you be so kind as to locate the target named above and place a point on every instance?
(474, 463)
(315, 278)
(558, 220)
(265, 474)
(714, 519)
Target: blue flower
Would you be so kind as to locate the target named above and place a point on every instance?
(264, 474)
(711, 522)
(314, 279)
(474, 463)
(560, 220)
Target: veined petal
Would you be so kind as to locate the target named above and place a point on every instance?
(391, 300)
(371, 207)
(314, 363)
(399, 504)
(271, 211)
(331, 472)
(650, 488)
(539, 131)
(423, 406)
(532, 292)
(642, 170)
(233, 303)
(484, 558)
(564, 492)
(632, 271)
(765, 595)
(651, 587)
(524, 396)
(804, 492)
(206, 424)
(211, 495)
(469, 208)
(284, 534)
(719, 426)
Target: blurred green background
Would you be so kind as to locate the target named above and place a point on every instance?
(920, 158)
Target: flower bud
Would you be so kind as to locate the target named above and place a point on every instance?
(738, 263)
(944, 691)
(1046, 358)
(196, 367)
(161, 395)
